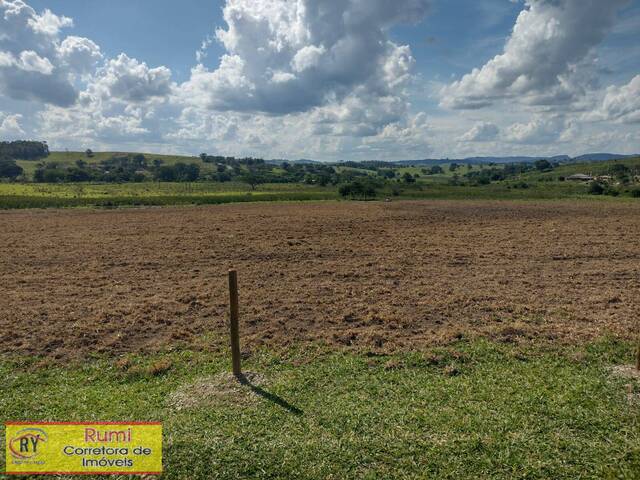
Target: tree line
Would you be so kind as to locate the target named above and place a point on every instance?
(137, 168)
(23, 150)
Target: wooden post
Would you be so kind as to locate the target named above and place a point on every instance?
(235, 332)
(638, 358)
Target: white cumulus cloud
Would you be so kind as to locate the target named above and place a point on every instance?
(35, 63)
(30, 61)
(621, 103)
(307, 57)
(544, 58)
(10, 126)
(48, 23)
(130, 80)
(80, 54)
(540, 130)
(286, 56)
(481, 132)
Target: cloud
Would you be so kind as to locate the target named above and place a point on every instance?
(322, 74)
(544, 60)
(48, 23)
(30, 61)
(481, 132)
(307, 57)
(622, 103)
(86, 99)
(80, 54)
(129, 80)
(85, 125)
(34, 63)
(322, 79)
(202, 52)
(353, 129)
(10, 126)
(292, 56)
(361, 114)
(540, 130)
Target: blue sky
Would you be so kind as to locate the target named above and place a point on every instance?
(152, 30)
(324, 79)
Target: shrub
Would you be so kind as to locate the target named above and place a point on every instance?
(9, 169)
(358, 189)
(635, 193)
(408, 178)
(596, 188)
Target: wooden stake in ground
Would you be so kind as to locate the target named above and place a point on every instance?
(638, 358)
(235, 331)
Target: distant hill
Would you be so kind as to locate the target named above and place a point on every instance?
(484, 160)
(588, 157)
(555, 158)
(600, 157)
(302, 161)
(70, 157)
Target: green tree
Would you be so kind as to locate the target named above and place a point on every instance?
(358, 189)
(408, 178)
(253, 178)
(10, 169)
(596, 188)
(543, 165)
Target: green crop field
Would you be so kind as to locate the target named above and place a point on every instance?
(41, 195)
(147, 189)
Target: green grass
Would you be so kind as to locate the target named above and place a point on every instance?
(472, 410)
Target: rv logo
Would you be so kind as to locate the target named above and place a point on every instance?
(27, 443)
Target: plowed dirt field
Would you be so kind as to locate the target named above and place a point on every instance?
(368, 276)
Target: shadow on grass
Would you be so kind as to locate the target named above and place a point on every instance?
(269, 396)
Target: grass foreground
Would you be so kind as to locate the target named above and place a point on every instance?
(474, 409)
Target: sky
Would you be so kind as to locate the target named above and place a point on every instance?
(323, 79)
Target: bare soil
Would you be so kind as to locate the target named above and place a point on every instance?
(369, 276)
(216, 390)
